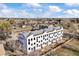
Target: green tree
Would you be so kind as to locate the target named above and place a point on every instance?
(12, 21)
(5, 26)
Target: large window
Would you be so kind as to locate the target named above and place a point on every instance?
(31, 39)
(39, 36)
(37, 45)
(34, 38)
(47, 34)
(29, 48)
(28, 39)
(34, 48)
(34, 43)
(41, 40)
(37, 39)
(29, 42)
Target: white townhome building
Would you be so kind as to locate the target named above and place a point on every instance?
(38, 39)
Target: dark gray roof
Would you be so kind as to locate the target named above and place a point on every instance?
(37, 32)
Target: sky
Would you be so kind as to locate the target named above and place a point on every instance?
(39, 10)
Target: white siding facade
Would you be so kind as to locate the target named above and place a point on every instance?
(36, 42)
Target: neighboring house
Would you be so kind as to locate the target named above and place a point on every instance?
(38, 39)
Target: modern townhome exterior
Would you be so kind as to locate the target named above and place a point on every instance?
(38, 39)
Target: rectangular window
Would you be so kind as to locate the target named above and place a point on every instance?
(43, 35)
(29, 43)
(47, 34)
(37, 39)
(34, 48)
(34, 38)
(28, 39)
(41, 40)
(29, 48)
(37, 45)
(39, 36)
(34, 43)
(31, 39)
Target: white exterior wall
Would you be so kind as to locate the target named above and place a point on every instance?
(51, 38)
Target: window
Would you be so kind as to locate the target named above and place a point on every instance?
(37, 45)
(41, 36)
(47, 34)
(39, 41)
(34, 48)
(31, 39)
(28, 39)
(34, 43)
(45, 43)
(34, 38)
(29, 48)
(47, 38)
(49, 41)
(29, 43)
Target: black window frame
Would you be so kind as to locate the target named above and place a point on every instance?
(41, 41)
(34, 38)
(37, 45)
(29, 48)
(37, 39)
(29, 42)
(34, 43)
(28, 39)
(31, 39)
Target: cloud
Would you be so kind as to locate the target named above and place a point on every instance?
(3, 6)
(34, 4)
(55, 8)
(72, 4)
(38, 10)
(15, 13)
(72, 12)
